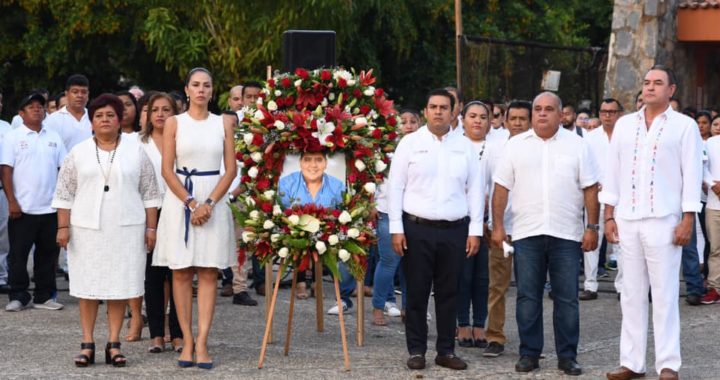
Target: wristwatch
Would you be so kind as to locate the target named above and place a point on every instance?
(593, 227)
(210, 202)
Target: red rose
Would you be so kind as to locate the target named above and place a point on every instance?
(289, 101)
(377, 134)
(238, 156)
(266, 207)
(364, 109)
(287, 212)
(379, 92)
(325, 75)
(245, 179)
(357, 93)
(342, 83)
(285, 83)
(302, 73)
(271, 83)
(336, 213)
(280, 103)
(263, 184)
(352, 178)
(392, 121)
(257, 139)
(392, 136)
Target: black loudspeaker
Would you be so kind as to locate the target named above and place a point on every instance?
(309, 49)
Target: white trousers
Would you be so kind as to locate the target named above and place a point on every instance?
(4, 242)
(592, 258)
(650, 259)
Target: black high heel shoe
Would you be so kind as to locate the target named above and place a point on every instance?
(83, 360)
(118, 360)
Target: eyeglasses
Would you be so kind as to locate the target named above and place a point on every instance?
(609, 112)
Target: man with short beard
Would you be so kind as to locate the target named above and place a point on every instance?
(569, 117)
(651, 192)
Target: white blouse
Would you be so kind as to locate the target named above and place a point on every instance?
(81, 184)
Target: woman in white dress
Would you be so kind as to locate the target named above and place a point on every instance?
(107, 200)
(195, 233)
(161, 106)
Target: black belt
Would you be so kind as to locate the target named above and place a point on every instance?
(435, 223)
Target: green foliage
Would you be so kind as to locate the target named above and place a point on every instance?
(153, 43)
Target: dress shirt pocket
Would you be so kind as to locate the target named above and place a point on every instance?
(565, 166)
(457, 167)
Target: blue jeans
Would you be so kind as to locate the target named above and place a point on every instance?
(473, 288)
(691, 266)
(387, 265)
(534, 257)
(347, 284)
(372, 263)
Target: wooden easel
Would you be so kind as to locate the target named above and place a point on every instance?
(319, 305)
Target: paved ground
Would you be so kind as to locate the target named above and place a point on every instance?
(41, 344)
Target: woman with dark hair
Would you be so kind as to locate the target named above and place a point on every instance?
(474, 278)
(704, 120)
(196, 233)
(130, 112)
(106, 198)
(161, 107)
(180, 101)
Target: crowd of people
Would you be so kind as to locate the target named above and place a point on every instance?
(130, 195)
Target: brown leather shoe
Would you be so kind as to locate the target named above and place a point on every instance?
(587, 295)
(450, 361)
(623, 373)
(226, 291)
(416, 362)
(668, 374)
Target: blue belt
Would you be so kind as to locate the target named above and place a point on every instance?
(189, 187)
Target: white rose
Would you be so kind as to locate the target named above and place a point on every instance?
(269, 194)
(253, 172)
(258, 115)
(256, 156)
(369, 187)
(344, 255)
(248, 138)
(370, 91)
(333, 239)
(298, 83)
(351, 82)
(254, 214)
(344, 217)
(268, 224)
(279, 125)
(331, 97)
(274, 238)
(361, 121)
(380, 166)
(248, 236)
(360, 165)
(272, 106)
(321, 247)
(283, 252)
(277, 210)
(324, 102)
(293, 219)
(353, 233)
(278, 92)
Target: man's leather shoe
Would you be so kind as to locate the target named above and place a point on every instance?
(570, 367)
(450, 361)
(668, 374)
(693, 300)
(587, 295)
(260, 290)
(526, 364)
(416, 362)
(623, 373)
(4, 289)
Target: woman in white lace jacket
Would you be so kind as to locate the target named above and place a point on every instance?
(107, 198)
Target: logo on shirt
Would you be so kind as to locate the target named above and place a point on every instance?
(24, 144)
(52, 144)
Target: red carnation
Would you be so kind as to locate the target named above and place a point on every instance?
(352, 178)
(357, 93)
(302, 73)
(379, 92)
(263, 184)
(364, 109)
(336, 213)
(392, 121)
(257, 139)
(342, 83)
(266, 207)
(325, 75)
(285, 83)
(288, 212)
(377, 134)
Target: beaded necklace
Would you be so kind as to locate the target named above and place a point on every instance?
(111, 158)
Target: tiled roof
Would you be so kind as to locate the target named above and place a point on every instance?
(699, 4)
